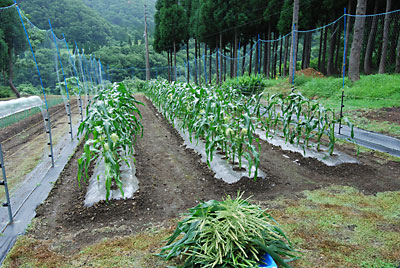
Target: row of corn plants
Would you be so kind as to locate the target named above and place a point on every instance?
(300, 121)
(226, 119)
(110, 129)
(222, 118)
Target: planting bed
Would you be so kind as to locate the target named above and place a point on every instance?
(24, 141)
(173, 179)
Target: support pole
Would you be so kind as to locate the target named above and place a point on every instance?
(47, 119)
(65, 82)
(344, 72)
(4, 183)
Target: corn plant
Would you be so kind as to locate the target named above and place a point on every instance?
(222, 117)
(299, 120)
(230, 233)
(110, 129)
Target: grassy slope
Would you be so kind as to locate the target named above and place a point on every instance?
(371, 93)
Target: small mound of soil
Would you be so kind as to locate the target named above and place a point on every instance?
(310, 72)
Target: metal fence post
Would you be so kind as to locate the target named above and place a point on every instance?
(4, 183)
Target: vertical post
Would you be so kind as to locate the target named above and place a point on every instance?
(147, 45)
(47, 119)
(4, 183)
(294, 55)
(65, 82)
(344, 72)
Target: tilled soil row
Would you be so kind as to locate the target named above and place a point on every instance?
(173, 179)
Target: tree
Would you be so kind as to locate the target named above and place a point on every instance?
(382, 64)
(293, 49)
(371, 41)
(354, 62)
(13, 35)
(170, 29)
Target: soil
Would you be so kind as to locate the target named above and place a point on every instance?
(173, 179)
(27, 129)
(310, 72)
(391, 114)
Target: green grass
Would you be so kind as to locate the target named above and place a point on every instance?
(341, 227)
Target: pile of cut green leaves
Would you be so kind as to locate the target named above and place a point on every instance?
(110, 129)
(230, 233)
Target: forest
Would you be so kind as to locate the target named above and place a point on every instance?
(222, 26)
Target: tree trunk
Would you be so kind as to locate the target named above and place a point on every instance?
(280, 57)
(256, 58)
(309, 49)
(265, 56)
(187, 60)
(232, 61)
(276, 43)
(303, 56)
(220, 58)
(323, 67)
(244, 59)
(195, 62)
(205, 63)
(338, 47)
(382, 64)
(268, 44)
(354, 62)
(348, 26)
(371, 42)
(210, 77)
(174, 61)
(235, 54)
(217, 61)
(251, 54)
(398, 56)
(200, 62)
(320, 49)
(169, 68)
(293, 50)
(10, 73)
(332, 43)
(285, 57)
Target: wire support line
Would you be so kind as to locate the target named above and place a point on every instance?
(13, 5)
(373, 15)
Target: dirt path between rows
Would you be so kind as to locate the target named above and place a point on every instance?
(173, 179)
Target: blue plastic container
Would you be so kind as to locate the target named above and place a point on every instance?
(268, 262)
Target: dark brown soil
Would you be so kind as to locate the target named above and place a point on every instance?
(32, 126)
(172, 179)
(391, 114)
